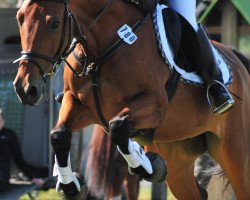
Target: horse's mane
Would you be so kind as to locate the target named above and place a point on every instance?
(243, 59)
(106, 168)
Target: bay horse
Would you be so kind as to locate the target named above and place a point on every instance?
(131, 86)
(107, 172)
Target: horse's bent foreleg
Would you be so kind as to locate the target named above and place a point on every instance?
(60, 139)
(131, 151)
(141, 113)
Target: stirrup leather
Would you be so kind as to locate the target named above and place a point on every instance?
(225, 106)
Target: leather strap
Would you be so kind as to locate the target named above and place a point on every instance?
(96, 91)
(172, 84)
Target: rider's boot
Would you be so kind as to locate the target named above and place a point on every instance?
(218, 95)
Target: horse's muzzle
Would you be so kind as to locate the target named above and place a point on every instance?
(28, 95)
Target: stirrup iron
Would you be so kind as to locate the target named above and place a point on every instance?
(225, 106)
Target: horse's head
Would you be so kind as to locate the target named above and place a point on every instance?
(43, 26)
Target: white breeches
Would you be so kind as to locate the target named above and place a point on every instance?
(187, 9)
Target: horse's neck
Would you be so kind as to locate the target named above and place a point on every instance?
(89, 6)
(103, 31)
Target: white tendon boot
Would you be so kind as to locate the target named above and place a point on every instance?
(137, 157)
(65, 175)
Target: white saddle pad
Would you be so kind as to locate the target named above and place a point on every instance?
(167, 54)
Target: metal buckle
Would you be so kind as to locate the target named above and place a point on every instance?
(91, 67)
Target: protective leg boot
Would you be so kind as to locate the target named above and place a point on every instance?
(219, 97)
(150, 166)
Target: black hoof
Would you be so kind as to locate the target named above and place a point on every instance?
(69, 191)
(159, 169)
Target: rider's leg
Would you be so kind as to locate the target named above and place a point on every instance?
(207, 64)
(187, 10)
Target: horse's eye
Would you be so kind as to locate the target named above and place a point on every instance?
(55, 24)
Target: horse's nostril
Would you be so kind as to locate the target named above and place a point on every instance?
(32, 91)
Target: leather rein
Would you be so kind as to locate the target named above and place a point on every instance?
(90, 65)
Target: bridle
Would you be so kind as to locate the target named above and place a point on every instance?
(59, 58)
(61, 54)
(90, 64)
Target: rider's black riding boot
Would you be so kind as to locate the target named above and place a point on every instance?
(218, 96)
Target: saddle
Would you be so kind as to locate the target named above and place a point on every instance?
(180, 48)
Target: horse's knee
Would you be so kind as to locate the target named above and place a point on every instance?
(60, 140)
(119, 131)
